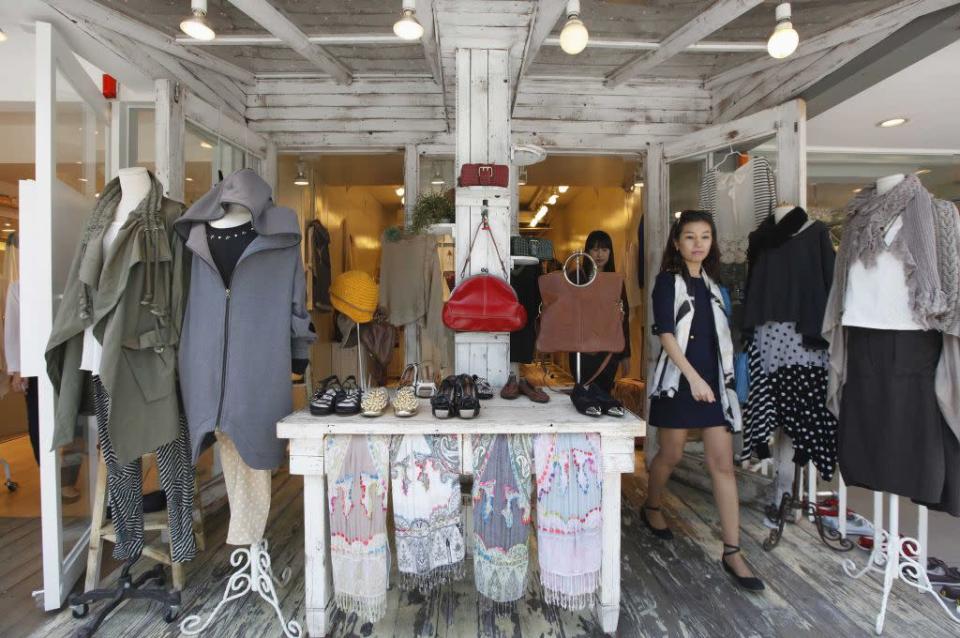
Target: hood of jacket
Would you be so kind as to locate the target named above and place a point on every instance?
(248, 189)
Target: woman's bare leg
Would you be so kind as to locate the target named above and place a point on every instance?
(658, 473)
(718, 445)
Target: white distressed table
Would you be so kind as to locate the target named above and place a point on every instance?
(497, 416)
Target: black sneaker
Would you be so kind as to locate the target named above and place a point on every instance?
(322, 401)
(941, 574)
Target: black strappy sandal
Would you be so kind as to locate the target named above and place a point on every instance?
(322, 401)
(663, 533)
(750, 583)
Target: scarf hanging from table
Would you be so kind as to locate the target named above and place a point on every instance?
(357, 497)
(568, 517)
(501, 516)
(425, 475)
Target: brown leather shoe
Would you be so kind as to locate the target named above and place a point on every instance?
(533, 392)
(511, 390)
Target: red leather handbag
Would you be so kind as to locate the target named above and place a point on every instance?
(484, 175)
(484, 302)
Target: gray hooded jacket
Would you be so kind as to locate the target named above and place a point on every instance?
(238, 342)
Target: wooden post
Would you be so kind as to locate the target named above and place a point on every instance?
(268, 167)
(168, 97)
(483, 136)
(792, 152)
(411, 190)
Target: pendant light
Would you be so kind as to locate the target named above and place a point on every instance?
(3, 36)
(407, 27)
(785, 39)
(437, 179)
(522, 176)
(196, 25)
(573, 38)
(301, 178)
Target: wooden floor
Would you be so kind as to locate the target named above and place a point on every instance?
(672, 589)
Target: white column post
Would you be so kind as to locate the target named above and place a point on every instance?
(483, 137)
(169, 125)
(411, 190)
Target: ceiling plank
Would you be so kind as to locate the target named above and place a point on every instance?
(264, 14)
(719, 14)
(104, 17)
(891, 17)
(429, 39)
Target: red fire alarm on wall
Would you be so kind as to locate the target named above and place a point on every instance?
(109, 87)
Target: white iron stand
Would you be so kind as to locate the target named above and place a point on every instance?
(897, 557)
(255, 574)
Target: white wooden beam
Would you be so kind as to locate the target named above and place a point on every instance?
(169, 126)
(792, 153)
(752, 128)
(237, 133)
(547, 13)
(142, 34)
(264, 14)
(890, 17)
(430, 39)
(782, 83)
(71, 68)
(269, 167)
(628, 44)
(204, 89)
(720, 13)
(327, 39)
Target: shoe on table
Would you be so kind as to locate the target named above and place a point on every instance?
(323, 399)
(512, 390)
(532, 392)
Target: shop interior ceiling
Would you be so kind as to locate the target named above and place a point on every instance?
(330, 73)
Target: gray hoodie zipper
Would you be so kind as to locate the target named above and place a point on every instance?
(226, 343)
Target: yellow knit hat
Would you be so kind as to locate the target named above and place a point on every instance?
(355, 294)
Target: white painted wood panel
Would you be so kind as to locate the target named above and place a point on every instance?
(169, 131)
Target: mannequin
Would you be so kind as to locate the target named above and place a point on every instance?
(134, 187)
(886, 184)
(234, 215)
(783, 209)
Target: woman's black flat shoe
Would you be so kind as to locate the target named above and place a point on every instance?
(468, 403)
(443, 403)
(663, 533)
(749, 583)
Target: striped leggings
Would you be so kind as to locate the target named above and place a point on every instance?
(125, 488)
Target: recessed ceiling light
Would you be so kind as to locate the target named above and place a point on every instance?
(892, 122)
(638, 184)
(563, 189)
(206, 144)
(677, 214)
(399, 192)
(7, 224)
(922, 171)
(189, 179)
(552, 199)
(82, 179)
(857, 190)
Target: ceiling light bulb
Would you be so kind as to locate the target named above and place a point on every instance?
(206, 144)
(3, 36)
(677, 214)
(399, 192)
(407, 27)
(892, 122)
(574, 36)
(552, 199)
(196, 26)
(403, 200)
(534, 222)
(301, 178)
(784, 40)
(563, 189)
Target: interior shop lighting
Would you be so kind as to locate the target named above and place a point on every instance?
(922, 171)
(196, 25)
(437, 179)
(552, 199)
(563, 189)
(677, 214)
(399, 192)
(857, 190)
(301, 178)
(3, 36)
(784, 40)
(407, 27)
(637, 185)
(574, 37)
(189, 179)
(522, 178)
(892, 122)
(206, 145)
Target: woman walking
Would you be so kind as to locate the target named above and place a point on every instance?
(688, 389)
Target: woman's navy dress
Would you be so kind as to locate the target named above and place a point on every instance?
(682, 410)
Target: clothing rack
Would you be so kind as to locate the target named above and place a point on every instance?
(897, 557)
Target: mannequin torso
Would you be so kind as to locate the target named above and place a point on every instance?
(134, 186)
(886, 184)
(781, 211)
(234, 215)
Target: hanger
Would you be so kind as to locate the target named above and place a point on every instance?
(728, 156)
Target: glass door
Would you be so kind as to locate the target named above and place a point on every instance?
(72, 126)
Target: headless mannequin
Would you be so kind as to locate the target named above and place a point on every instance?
(134, 187)
(884, 186)
(234, 215)
(782, 210)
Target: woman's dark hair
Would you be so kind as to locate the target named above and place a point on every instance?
(673, 261)
(598, 239)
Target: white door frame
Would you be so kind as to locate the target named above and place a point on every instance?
(60, 570)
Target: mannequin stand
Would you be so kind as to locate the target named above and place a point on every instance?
(802, 505)
(126, 589)
(253, 574)
(897, 557)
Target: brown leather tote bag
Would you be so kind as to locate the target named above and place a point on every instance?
(581, 317)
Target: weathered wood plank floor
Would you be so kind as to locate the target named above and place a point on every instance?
(673, 589)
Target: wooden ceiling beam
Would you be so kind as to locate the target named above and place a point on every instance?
(101, 16)
(268, 17)
(885, 19)
(547, 13)
(717, 15)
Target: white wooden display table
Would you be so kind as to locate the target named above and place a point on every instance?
(497, 416)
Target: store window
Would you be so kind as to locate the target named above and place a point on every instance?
(80, 142)
(142, 140)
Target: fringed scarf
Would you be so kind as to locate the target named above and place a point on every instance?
(568, 517)
(501, 517)
(425, 471)
(357, 496)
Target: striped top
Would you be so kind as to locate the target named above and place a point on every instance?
(739, 202)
